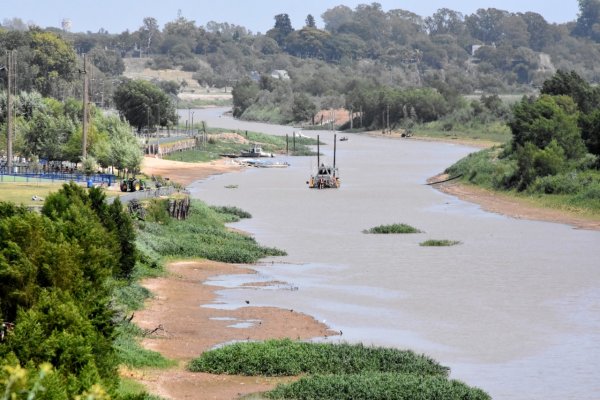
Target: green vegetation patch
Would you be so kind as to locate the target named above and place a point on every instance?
(132, 354)
(288, 358)
(439, 243)
(216, 146)
(201, 235)
(394, 228)
(374, 385)
(231, 214)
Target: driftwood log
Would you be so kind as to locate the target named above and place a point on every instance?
(179, 208)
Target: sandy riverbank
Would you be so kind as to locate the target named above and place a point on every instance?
(510, 206)
(185, 173)
(188, 329)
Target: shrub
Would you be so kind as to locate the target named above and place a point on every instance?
(232, 214)
(394, 228)
(289, 358)
(378, 386)
(438, 243)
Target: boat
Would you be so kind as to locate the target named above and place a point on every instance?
(327, 176)
(254, 152)
(271, 164)
(344, 139)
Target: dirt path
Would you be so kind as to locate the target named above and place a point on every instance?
(189, 329)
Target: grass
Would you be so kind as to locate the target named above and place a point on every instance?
(574, 191)
(231, 214)
(132, 354)
(270, 143)
(377, 386)
(337, 371)
(202, 235)
(289, 358)
(394, 228)
(487, 135)
(22, 192)
(130, 389)
(439, 243)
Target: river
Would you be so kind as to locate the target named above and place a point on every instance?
(514, 309)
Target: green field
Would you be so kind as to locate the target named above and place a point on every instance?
(22, 192)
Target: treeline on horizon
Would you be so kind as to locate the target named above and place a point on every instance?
(394, 48)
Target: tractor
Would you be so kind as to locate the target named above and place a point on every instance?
(132, 185)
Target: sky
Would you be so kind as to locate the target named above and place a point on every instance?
(116, 16)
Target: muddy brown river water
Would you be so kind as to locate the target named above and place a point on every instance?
(514, 309)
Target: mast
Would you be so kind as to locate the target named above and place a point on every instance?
(334, 148)
(318, 155)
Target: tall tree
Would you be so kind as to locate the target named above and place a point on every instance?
(282, 28)
(144, 104)
(310, 21)
(588, 21)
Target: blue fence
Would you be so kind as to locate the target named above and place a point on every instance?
(108, 179)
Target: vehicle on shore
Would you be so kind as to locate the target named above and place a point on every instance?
(133, 185)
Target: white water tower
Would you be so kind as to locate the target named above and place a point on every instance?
(67, 24)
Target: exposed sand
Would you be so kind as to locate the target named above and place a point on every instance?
(512, 207)
(185, 173)
(188, 329)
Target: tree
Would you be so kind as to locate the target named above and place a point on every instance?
(445, 21)
(588, 21)
(486, 24)
(282, 28)
(150, 33)
(540, 121)
(244, 94)
(303, 109)
(53, 59)
(310, 21)
(143, 104)
(573, 85)
(336, 17)
(107, 61)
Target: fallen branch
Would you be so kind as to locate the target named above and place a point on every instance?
(445, 180)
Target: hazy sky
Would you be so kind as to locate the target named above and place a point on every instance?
(117, 16)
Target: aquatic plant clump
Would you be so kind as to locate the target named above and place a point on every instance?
(377, 385)
(439, 243)
(289, 358)
(392, 229)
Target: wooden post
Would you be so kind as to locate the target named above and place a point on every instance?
(9, 112)
(85, 110)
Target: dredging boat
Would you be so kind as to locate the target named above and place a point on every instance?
(327, 176)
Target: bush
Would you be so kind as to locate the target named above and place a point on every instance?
(201, 235)
(289, 358)
(439, 243)
(394, 228)
(231, 214)
(377, 386)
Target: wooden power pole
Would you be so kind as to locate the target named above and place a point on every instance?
(11, 74)
(85, 110)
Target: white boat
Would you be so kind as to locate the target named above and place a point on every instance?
(255, 151)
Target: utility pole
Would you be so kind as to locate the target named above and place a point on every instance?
(85, 110)
(388, 119)
(11, 73)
